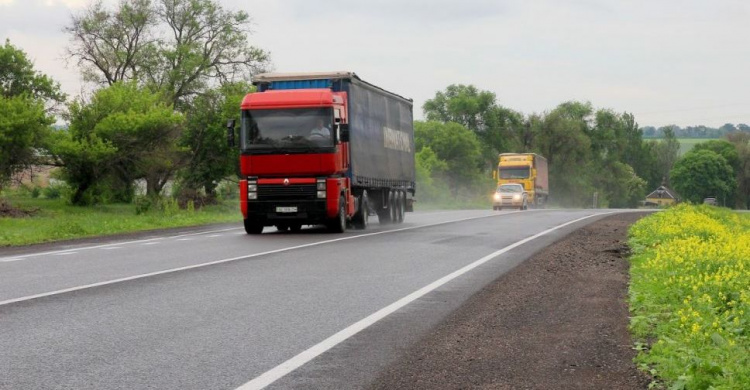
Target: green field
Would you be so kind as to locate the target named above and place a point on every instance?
(55, 220)
(687, 143)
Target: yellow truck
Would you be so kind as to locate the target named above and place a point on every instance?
(527, 169)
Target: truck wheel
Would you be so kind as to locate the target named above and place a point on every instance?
(401, 209)
(252, 227)
(393, 205)
(360, 220)
(282, 228)
(384, 214)
(295, 227)
(338, 224)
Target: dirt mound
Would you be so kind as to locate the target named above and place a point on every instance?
(7, 210)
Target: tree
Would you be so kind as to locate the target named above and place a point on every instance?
(210, 159)
(702, 173)
(24, 126)
(457, 146)
(205, 45)
(113, 46)
(721, 147)
(18, 77)
(741, 142)
(24, 122)
(500, 129)
(666, 151)
(560, 136)
(124, 133)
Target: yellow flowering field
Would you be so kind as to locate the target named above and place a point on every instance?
(690, 297)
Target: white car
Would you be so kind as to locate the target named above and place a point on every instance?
(510, 195)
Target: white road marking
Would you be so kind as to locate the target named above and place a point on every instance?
(184, 239)
(109, 248)
(150, 243)
(292, 364)
(10, 259)
(201, 265)
(64, 253)
(117, 243)
(215, 235)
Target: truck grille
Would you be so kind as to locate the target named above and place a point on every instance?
(290, 192)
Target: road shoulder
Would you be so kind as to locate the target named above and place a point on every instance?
(558, 320)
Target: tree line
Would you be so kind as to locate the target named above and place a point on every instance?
(700, 131)
(589, 151)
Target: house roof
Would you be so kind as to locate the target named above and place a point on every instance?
(663, 192)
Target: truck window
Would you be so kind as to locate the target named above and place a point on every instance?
(301, 128)
(514, 172)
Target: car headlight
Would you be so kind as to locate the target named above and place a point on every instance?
(516, 197)
(497, 196)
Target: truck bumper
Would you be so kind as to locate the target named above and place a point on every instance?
(307, 212)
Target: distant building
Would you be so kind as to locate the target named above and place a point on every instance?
(662, 196)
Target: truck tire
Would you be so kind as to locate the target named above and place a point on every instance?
(361, 218)
(295, 227)
(401, 206)
(338, 223)
(252, 227)
(384, 213)
(393, 206)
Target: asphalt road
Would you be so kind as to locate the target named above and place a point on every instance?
(218, 309)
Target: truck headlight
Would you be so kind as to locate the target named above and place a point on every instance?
(252, 190)
(321, 184)
(321, 194)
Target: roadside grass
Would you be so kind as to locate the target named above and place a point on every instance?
(55, 220)
(690, 297)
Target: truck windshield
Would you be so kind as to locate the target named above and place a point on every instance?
(297, 129)
(514, 172)
(510, 188)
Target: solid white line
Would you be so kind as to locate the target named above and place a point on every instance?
(215, 235)
(292, 364)
(64, 253)
(10, 259)
(150, 243)
(184, 239)
(201, 265)
(116, 243)
(109, 248)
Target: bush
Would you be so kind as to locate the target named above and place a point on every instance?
(54, 191)
(35, 192)
(690, 292)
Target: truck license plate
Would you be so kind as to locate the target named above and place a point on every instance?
(286, 209)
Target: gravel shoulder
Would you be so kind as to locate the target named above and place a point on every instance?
(558, 320)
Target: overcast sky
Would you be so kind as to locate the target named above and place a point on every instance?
(683, 62)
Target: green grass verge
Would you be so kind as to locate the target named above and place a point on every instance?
(56, 220)
(690, 297)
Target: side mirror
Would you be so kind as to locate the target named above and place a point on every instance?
(230, 133)
(344, 132)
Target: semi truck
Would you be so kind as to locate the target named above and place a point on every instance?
(527, 169)
(323, 148)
